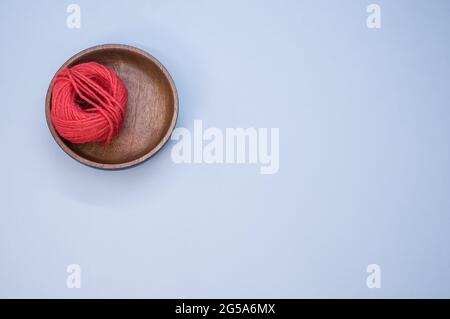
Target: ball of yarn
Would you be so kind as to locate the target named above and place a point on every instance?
(89, 102)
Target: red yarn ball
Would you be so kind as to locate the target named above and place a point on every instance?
(89, 102)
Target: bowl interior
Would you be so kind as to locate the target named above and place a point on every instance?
(151, 111)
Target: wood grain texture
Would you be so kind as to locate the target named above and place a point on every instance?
(152, 108)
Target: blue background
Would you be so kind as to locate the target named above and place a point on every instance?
(364, 154)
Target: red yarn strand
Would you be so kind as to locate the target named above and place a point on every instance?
(101, 91)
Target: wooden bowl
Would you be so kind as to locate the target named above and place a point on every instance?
(151, 113)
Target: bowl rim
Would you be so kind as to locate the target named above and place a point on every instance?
(112, 166)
